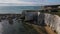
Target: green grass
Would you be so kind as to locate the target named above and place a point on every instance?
(53, 13)
(29, 29)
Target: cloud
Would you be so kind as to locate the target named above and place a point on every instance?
(28, 2)
(16, 2)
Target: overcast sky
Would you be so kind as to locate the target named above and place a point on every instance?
(28, 2)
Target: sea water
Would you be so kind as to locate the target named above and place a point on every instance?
(17, 9)
(16, 28)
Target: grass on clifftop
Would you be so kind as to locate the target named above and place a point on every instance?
(53, 13)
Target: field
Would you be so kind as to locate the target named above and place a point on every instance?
(53, 13)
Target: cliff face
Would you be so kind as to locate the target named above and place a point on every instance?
(51, 20)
